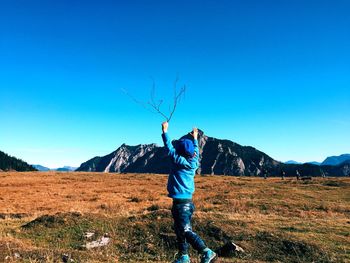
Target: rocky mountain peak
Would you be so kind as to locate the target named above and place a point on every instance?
(217, 157)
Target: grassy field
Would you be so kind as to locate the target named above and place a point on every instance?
(44, 217)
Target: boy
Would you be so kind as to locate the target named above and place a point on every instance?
(180, 187)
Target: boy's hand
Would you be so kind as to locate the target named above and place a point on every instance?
(195, 133)
(165, 126)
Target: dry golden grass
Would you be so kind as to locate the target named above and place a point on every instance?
(262, 215)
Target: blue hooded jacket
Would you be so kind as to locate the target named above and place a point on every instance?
(181, 177)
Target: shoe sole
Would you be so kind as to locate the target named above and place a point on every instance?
(213, 259)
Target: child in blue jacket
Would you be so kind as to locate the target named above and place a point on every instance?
(184, 157)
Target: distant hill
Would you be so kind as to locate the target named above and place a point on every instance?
(40, 167)
(315, 163)
(65, 169)
(336, 160)
(9, 163)
(292, 162)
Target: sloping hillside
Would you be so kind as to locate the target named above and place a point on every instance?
(9, 163)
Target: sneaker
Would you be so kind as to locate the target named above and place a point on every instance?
(208, 256)
(182, 259)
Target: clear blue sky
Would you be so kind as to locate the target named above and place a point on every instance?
(271, 74)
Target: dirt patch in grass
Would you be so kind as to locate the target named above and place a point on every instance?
(51, 221)
(13, 215)
(275, 248)
(335, 183)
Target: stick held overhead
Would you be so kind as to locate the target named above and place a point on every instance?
(154, 105)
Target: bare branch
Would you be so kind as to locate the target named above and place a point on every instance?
(155, 104)
(134, 99)
(177, 97)
(158, 111)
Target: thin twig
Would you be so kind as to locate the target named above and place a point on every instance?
(135, 100)
(153, 103)
(177, 96)
(156, 105)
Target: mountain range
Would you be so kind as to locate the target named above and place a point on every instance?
(217, 157)
(61, 169)
(332, 160)
(295, 162)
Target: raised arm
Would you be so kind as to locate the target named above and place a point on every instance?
(194, 133)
